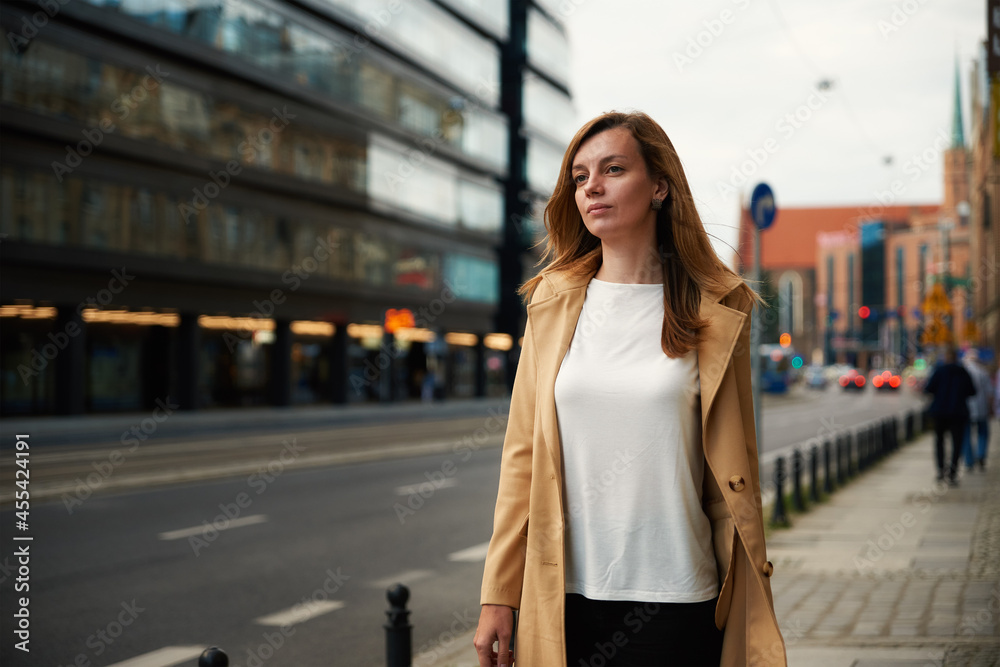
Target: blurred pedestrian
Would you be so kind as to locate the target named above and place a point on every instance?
(628, 526)
(996, 395)
(951, 385)
(979, 412)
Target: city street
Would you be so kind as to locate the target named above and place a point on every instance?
(127, 573)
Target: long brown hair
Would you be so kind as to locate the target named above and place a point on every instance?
(688, 262)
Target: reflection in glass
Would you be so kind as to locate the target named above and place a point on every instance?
(332, 63)
(494, 15)
(50, 81)
(547, 46)
(429, 32)
(544, 163)
(548, 109)
(107, 214)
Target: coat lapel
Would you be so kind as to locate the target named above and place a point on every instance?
(554, 322)
(716, 349)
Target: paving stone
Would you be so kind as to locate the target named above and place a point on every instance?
(904, 630)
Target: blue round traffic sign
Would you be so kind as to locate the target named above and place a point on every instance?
(762, 206)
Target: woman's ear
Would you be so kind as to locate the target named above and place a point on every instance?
(662, 188)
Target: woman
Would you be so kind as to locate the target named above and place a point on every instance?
(628, 527)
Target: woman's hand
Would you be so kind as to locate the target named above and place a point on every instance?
(496, 624)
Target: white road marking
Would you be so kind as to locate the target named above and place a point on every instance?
(407, 577)
(168, 656)
(470, 555)
(207, 527)
(300, 613)
(414, 489)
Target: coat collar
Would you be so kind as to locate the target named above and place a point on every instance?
(554, 316)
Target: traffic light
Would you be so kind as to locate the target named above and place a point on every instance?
(785, 339)
(864, 312)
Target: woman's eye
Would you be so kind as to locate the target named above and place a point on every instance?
(579, 178)
(614, 169)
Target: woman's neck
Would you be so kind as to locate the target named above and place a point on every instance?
(634, 265)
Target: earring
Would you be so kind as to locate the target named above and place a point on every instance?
(657, 204)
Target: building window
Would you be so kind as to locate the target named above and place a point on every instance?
(829, 286)
(899, 277)
(301, 50)
(790, 303)
(852, 309)
(922, 270)
(548, 48)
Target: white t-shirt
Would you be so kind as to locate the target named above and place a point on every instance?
(630, 425)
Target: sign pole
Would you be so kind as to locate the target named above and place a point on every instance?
(762, 211)
(755, 370)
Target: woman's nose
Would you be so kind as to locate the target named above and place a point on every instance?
(593, 186)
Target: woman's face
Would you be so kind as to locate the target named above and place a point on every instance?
(613, 188)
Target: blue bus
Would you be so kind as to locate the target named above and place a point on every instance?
(776, 372)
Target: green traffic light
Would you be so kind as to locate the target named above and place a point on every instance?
(796, 362)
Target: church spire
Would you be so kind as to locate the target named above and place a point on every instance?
(957, 133)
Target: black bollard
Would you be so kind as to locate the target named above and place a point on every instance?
(894, 444)
(797, 500)
(855, 447)
(779, 518)
(852, 466)
(814, 474)
(398, 631)
(865, 440)
(827, 481)
(213, 657)
(908, 428)
(840, 460)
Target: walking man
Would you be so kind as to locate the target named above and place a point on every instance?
(951, 385)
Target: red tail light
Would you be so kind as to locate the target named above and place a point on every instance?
(894, 381)
(860, 381)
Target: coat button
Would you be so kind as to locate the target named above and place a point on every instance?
(768, 569)
(736, 483)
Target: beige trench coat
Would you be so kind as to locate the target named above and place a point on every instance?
(524, 564)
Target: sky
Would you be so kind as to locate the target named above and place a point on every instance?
(734, 83)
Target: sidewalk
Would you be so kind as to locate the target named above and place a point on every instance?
(894, 570)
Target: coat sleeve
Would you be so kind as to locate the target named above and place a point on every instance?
(970, 386)
(741, 365)
(504, 570)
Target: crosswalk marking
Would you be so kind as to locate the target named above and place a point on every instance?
(407, 577)
(168, 656)
(207, 527)
(300, 613)
(415, 489)
(470, 555)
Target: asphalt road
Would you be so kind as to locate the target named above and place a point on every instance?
(127, 573)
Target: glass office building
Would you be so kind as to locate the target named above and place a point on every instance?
(253, 202)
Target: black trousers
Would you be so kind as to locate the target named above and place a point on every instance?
(955, 426)
(613, 633)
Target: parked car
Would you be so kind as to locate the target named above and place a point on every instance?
(815, 377)
(852, 380)
(834, 371)
(886, 380)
